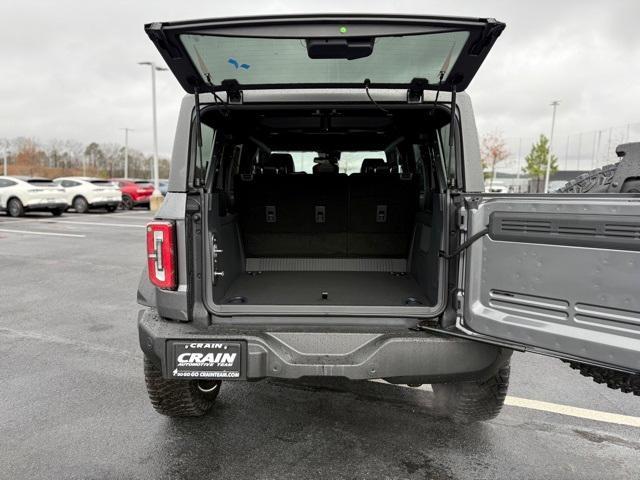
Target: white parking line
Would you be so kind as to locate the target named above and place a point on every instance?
(558, 408)
(568, 410)
(31, 232)
(100, 224)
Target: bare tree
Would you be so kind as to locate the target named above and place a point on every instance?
(492, 152)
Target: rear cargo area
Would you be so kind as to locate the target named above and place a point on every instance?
(327, 233)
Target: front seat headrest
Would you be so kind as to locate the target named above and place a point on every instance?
(374, 165)
(325, 166)
(279, 163)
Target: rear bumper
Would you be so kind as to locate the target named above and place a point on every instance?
(400, 357)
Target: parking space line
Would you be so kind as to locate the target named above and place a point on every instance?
(585, 413)
(100, 224)
(568, 410)
(52, 234)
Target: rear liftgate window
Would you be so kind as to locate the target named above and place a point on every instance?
(383, 60)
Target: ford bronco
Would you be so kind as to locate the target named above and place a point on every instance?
(326, 217)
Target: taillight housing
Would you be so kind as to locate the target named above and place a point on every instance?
(161, 254)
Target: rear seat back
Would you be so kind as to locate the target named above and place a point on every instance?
(332, 215)
(286, 215)
(382, 208)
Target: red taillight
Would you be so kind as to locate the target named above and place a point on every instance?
(161, 254)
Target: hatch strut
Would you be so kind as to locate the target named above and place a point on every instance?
(198, 132)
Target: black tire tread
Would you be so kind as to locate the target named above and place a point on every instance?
(175, 398)
(470, 402)
(598, 181)
(595, 181)
(614, 379)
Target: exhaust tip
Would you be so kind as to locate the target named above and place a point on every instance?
(208, 386)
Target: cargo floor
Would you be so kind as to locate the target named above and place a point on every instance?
(342, 288)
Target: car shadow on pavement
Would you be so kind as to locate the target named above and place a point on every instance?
(333, 428)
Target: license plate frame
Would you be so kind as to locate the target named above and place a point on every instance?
(210, 359)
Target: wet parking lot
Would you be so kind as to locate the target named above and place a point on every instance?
(73, 402)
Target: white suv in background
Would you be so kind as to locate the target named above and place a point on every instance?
(83, 193)
(24, 194)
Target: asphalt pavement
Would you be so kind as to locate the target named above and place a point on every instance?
(73, 402)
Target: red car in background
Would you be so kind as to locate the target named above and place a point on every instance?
(134, 192)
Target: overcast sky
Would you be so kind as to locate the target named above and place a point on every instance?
(69, 68)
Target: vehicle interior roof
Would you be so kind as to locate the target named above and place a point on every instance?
(320, 129)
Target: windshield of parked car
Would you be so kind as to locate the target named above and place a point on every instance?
(263, 61)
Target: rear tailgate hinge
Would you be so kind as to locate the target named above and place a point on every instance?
(462, 219)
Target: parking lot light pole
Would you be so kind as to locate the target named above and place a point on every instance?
(156, 197)
(554, 104)
(126, 150)
(4, 170)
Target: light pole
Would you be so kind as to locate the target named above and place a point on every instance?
(156, 197)
(4, 152)
(554, 104)
(126, 150)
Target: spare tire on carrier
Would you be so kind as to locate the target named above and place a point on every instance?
(620, 177)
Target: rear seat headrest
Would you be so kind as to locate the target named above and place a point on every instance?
(374, 165)
(280, 163)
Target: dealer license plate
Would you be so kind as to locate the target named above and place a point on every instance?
(221, 360)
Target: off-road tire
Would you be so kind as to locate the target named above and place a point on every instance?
(471, 402)
(177, 398)
(598, 181)
(15, 208)
(80, 205)
(625, 382)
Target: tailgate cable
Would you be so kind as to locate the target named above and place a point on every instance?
(467, 243)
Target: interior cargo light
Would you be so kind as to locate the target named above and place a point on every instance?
(161, 254)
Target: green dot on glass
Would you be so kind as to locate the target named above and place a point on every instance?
(343, 29)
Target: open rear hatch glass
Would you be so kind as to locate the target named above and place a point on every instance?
(321, 51)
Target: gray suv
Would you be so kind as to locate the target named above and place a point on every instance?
(325, 218)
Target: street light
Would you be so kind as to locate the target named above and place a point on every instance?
(5, 153)
(554, 104)
(156, 197)
(126, 150)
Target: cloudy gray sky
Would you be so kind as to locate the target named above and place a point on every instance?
(69, 67)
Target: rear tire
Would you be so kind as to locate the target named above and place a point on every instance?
(80, 205)
(56, 212)
(471, 402)
(179, 398)
(15, 208)
(127, 202)
(598, 181)
(111, 209)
